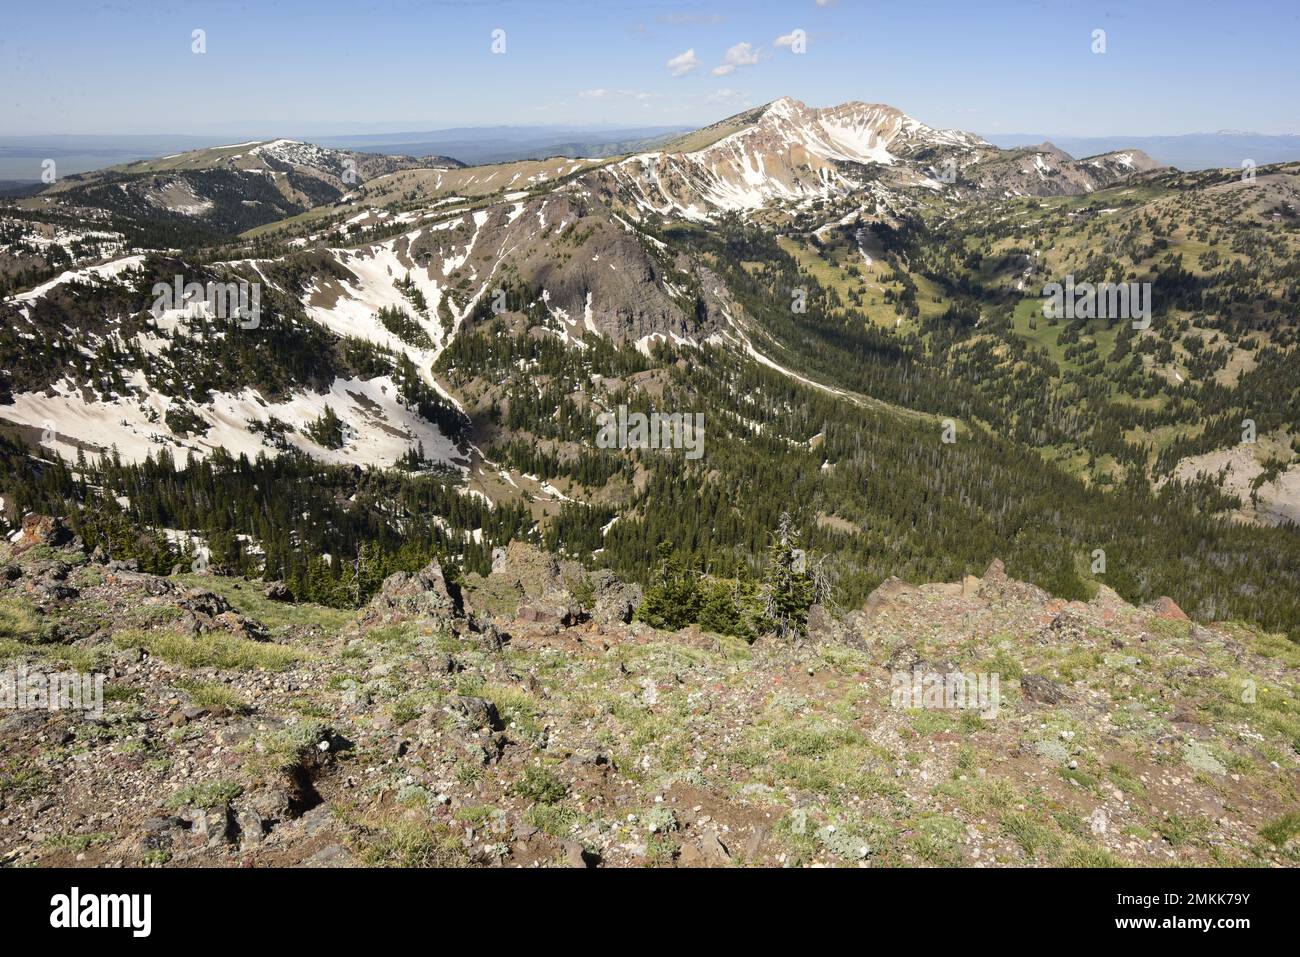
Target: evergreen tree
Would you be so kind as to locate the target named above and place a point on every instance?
(788, 589)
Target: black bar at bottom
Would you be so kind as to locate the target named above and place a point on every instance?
(236, 906)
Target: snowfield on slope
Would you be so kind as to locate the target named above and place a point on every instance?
(378, 428)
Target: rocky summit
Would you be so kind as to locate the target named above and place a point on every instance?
(521, 719)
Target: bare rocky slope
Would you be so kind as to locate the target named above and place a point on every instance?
(518, 719)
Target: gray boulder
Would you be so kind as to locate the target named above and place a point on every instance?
(424, 594)
(614, 601)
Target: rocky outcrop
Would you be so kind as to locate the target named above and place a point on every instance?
(41, 530)
(278, 591)
(649, 748)
(534, 572)
(886, 593)
(614, 601)
(1166, 608)
(423, 594)
(541, 583)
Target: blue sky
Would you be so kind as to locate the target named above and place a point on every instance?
(294, 67)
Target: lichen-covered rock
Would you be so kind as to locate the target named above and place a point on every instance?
(278, 591)
(1198, 756)
(614, 601)
(403, 595)
(1166, 608)
(535, 572)
(1041, 689)
(1067, 628)
(887, 593)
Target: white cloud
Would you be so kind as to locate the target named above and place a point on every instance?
(724, 95)
(600, 93)
(742, 54)
(683, 63)
(683, 19)
(787, 40)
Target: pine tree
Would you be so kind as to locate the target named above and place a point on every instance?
(673, 600)
(788, 590)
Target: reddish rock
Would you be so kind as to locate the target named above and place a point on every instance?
(1165, 607)
(41, 530)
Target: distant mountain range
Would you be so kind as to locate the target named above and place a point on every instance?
(1190, 151)
(505, 144)
(21, 156)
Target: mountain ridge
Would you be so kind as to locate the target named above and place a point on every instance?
(464, 324)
